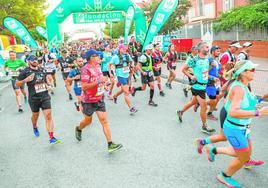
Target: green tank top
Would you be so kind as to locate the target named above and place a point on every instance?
(248, 102)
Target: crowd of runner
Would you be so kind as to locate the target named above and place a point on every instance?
(99, 70)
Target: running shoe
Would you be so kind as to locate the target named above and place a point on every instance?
(196, 106)
(20, 109)
(78, 134)
(162, 93)
(228, 181)
(151, 103)
(133, 111)
(253, 163)
(54, 140)
(185, 92)
(169, 86)
(114, 147)
(70, 97)
(179, 115)
(25, 100)
(133, 92)
(36, 132)
(206, 129)
(77, 106)
(212, 117)
(198, 145)
(115, 100)
(210, 154)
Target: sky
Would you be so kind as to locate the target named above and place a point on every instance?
(66, 24)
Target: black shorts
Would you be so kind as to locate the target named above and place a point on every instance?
(170, 67)
(90, 108)
(14, 84)
(148, 78)
(43, 103)
(65, 75)
(223, 115)
(200, 93)
(106, 73)
(157, 73)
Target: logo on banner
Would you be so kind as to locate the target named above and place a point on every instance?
(159, 18)
(169, 5)
(153, 29)
(12, 24)
(20, 32)
(60, 10)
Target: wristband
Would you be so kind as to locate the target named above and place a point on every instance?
(260, 100)
(257, 113)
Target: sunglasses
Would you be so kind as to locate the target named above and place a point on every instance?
(251, 70)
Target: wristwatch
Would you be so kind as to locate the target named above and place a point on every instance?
(257, 113)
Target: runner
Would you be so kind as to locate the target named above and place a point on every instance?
(244, 54)
(200, 66)
(122, 62)
(107, 56)
(13, 66)
(228, 57)
(213, 87)
(194, 53)
(171, 58)
(50, 68)
(157, 62)
(36, 79)
(241, 108)
(145, 66)
(75, 75)
(92, 98)
(66, 64)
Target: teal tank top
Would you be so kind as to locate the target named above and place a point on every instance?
(248, 102)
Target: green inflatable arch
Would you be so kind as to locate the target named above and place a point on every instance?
(67, 7)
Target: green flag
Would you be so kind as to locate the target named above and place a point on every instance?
(41, 31)
(19, 29)
(162, 13)
(128, 22)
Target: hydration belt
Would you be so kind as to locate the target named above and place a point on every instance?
(236, 124)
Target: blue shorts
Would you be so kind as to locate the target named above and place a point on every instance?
(236, 136)
(122, 81)
(212, 92)
(77, 91)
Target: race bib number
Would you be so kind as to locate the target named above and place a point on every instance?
(14, 73)
(65, 70)
(126, 69)
(79, 84)
(205, 75)
(150, 74)
(40, 87)
(49, 70)
(100, 90)
(174, 64)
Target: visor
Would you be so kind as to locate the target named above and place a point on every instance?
(246, 66)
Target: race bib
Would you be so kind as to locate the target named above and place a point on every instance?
(41, 87)
(66, 70)
(205, 75)
(150, 74)
(49, 70)
(126, 69)
(14, 73)
(247, 132)
(174, 64)
(78, 84)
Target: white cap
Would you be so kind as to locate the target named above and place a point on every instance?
(149, 47)
(247, 44)
(236, 44)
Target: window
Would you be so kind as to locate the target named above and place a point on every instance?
(200, 7)
(228, 5)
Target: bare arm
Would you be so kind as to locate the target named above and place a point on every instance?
(185, 69)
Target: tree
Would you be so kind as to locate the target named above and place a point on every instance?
(29, 12)
(247, 17)
(118, 29)
(175, 20)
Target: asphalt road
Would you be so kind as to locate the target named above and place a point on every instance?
(158, 152)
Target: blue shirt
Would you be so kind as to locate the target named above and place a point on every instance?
(215, 68)
(124, 71)
(74, 72)
(107, 56)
